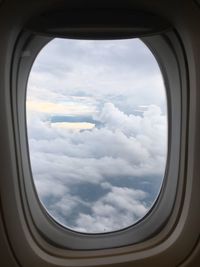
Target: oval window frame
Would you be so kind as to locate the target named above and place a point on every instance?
(45, 207)
(147, 226)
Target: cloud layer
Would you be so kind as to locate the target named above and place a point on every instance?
(105, 177)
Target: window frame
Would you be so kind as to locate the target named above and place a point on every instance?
(169, 62)
(177, 243)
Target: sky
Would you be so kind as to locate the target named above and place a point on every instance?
(97, 132)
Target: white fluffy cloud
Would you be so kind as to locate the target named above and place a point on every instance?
(116, 210)
(127, 146)
(107, 177)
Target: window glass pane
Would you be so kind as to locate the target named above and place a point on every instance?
(97, 132)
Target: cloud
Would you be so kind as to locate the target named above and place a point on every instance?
(71, 108)
(105, 212)
(103, 177)
(102, 69)
(127, 146)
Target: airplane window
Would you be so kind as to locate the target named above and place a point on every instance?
(97, 132)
